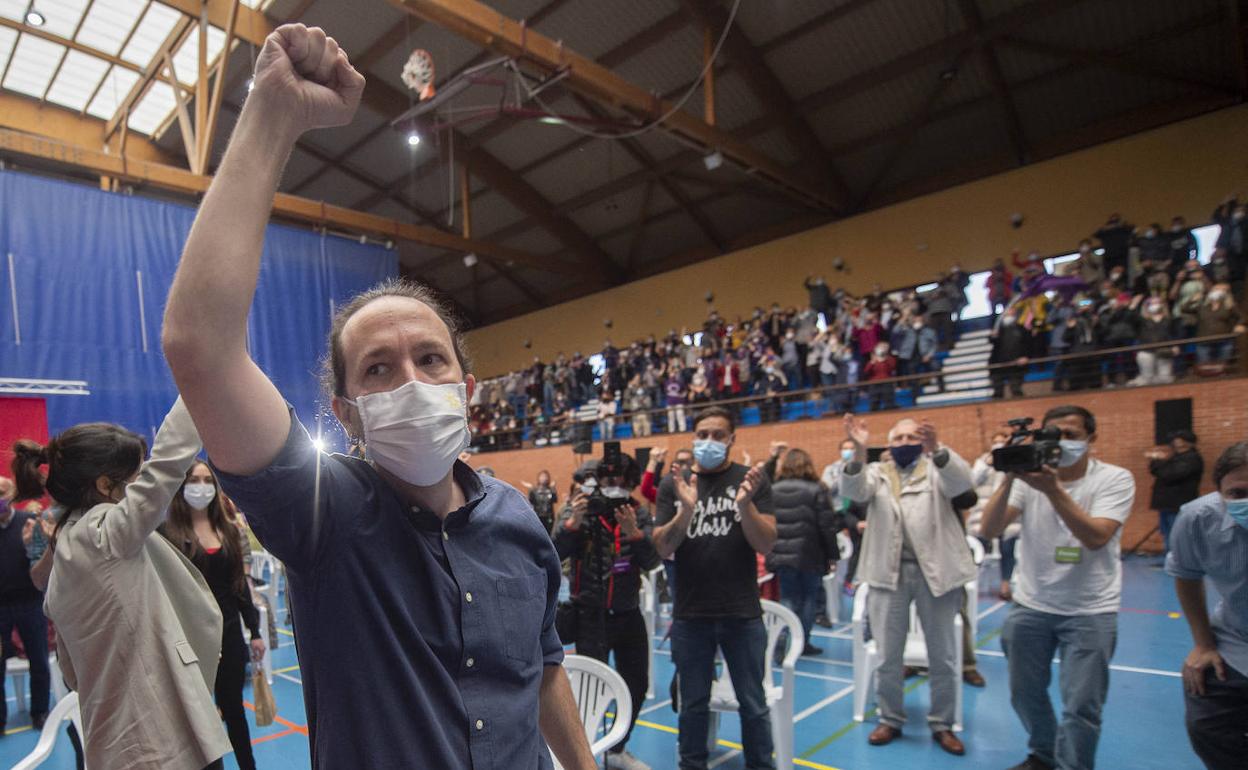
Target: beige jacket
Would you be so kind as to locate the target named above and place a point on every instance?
(937, 536)
(138, 631)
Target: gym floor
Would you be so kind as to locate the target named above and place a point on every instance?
(1143, 720)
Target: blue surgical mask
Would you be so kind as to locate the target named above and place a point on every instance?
(847, 454)
(905, 455)
(1238, 510)
(1072, 452)
(709, 453)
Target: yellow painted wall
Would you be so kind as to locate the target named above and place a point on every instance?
(1184, 168)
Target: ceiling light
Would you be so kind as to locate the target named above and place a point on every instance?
(470, 259)
(413, 139)
(949, 74)
(34, 18)
(713, 160)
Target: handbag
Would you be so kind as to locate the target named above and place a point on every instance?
(266, 707)
(565, 622)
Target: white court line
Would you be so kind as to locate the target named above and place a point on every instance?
(655, 707)
(826, 701)
(722, 758)
(1112, 666)
(289, 678)
(824, 677)
(990, 610)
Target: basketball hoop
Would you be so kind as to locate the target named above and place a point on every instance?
(418, 74)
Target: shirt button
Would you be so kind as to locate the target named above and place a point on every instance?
(468, 597)
(470, 663)
(446, 535)
(480, 725)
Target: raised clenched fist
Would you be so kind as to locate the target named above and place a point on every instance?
(305, 74)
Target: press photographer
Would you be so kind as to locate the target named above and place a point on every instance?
(1068, 582)
(605, 532)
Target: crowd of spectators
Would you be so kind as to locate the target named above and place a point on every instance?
(1127, 286)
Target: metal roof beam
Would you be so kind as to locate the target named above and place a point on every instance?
(992, 66)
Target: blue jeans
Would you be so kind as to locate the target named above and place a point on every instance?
(1086, 642)
(1167, 519)
(1215, 352)
(799, 591)
(744, 644)
(32, 628)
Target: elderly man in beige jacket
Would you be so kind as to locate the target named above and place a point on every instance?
(914, 550)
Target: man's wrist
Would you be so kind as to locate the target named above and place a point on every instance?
(272, 118)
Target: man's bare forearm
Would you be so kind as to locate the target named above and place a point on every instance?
(1192, 599)
(216, 279)
(41, 570)
(668, 537)
(759, 530)
(560, 721)
(1094, 533)
(992, 521)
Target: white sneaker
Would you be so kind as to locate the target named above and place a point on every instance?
(625, 761)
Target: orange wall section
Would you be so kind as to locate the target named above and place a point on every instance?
(1124, 427)
(1183, 168)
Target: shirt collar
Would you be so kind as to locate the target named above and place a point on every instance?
(1227, 521)
(474, 492)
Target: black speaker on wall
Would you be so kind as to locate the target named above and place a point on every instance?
(1169, 416)
(582, 438)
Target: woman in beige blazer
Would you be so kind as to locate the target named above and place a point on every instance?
(138, 631)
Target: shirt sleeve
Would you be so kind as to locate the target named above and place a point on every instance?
(304, 501)
(1183, 561)
(1018, 495)
(552, 648)
(1114, 499)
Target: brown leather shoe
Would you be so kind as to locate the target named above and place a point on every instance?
(973, 678)
(949, 742)
(883, 734)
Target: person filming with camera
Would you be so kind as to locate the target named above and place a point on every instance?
(914, 550)
(1068, 582)
(606, 534)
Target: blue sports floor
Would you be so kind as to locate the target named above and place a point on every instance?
(1143, 725)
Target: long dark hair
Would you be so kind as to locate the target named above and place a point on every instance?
(179, 530)
(75, 459)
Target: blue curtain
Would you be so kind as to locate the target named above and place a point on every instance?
(91, 271)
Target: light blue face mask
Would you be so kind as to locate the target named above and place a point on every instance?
(1072, 452)
(1238, 510)
(847, 454)
(709, 454)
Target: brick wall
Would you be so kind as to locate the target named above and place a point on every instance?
(1124, 417)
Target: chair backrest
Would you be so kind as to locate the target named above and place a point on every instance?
(595, 686)
(648, 592)
(845, 546)
(777, 618)
(66, 709)
(977, 549)
(262, 560)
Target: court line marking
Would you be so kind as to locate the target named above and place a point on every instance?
(1112, 666)
(731, 745)
(722, 758)
(286, 670)
(825, 702)
(273, 737)
(655, 707)
(289, 678)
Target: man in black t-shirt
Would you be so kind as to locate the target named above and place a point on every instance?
(713, 523)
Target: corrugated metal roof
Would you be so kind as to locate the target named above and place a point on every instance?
(592, 29)
(588, 167)
(353, 30)
(735, 102)
(673, 63)
(948, 143)
(765, 21)
(617, 211)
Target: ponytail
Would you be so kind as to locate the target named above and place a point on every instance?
(74, 460)
(28, 456)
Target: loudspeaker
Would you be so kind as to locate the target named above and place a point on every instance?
(1171, 415)
(582, 438)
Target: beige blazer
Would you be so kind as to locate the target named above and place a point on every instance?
(138, 631)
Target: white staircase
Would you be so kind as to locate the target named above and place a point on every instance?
(963, 372)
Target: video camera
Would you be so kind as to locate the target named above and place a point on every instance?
(603, 500)
(1022, 456)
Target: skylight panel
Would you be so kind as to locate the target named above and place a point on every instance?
(151, 110)
(7, 38)
(108, 23)
(76, 81)
(157, 23)
(13, 9)
(61, 17)
(32, 65)
(117, 83)
(186, 60)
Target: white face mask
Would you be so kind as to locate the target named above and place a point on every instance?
(1072, 452)
(416, 430)
(199, 496)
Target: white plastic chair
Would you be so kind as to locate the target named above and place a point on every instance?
(66, 709)
(19, 672)
(649, 594)
(262, 561)
(868, 656)
(595, 686)
(780, 698)
(833, 580)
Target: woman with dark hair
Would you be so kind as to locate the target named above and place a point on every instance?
(543, 498)
(200, 526)
(138, 633)
(805, 545)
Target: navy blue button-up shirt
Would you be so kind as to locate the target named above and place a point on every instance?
(421, 642)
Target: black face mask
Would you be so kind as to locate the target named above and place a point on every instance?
(905, 455)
